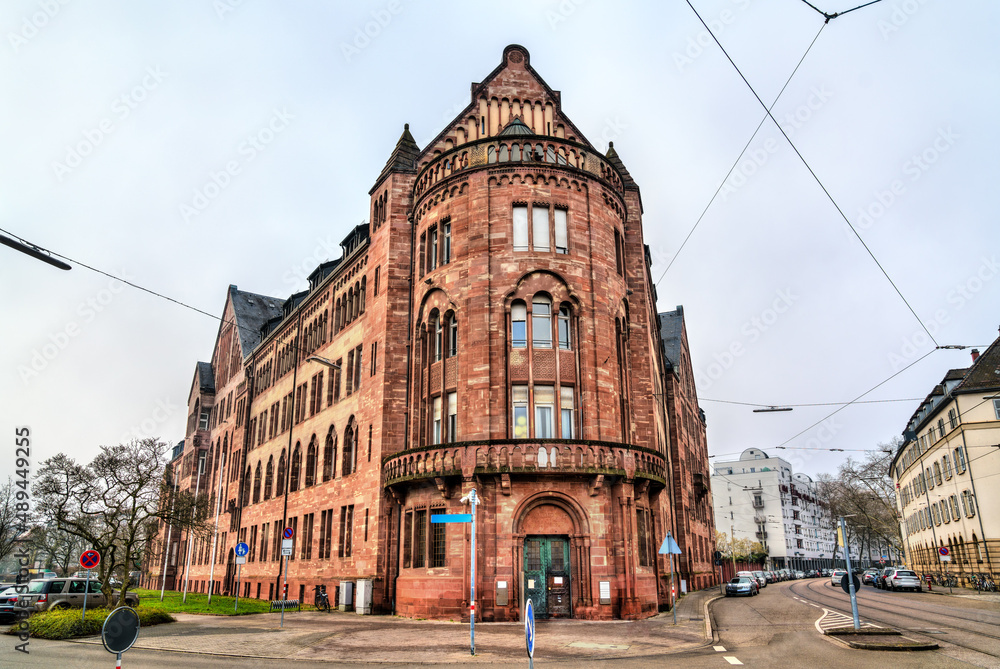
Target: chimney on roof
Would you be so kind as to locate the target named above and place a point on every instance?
(975, 354)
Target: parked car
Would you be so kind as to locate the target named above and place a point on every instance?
(881, 576)
(66, 593)
(8, 597)
(868, 577)
(742, 585)
(761, 578)
(800, 574)
(836, 575)
(902, 579)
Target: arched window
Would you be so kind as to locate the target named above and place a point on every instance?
(491, 154)
(280, 487)
(296, 466)
(541, 322)
(504, 155)
(329, 455)
(438, 336)
(515, 152)
(311, 463)
(246, 487)
(256, 484)
(564, 331)
(364, 288)
(350, 446)
(268, 473)
(518, 325)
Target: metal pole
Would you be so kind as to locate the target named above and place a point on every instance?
(190, 544)
(673, 587)
(118, 664)
(850, 575)
(284, 590)
(170, 527)
(86, 589)
(239, 571)
(472, 614)
(215, 530)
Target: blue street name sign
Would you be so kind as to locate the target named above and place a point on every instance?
(451, 518)
(242, 549)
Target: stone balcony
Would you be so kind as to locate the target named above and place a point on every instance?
(544, 457)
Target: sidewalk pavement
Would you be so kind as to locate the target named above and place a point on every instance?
(347, 637)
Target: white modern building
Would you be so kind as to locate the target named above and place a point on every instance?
(760, 498)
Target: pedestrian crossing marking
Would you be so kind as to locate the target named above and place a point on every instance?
(731, 660)
(834, 619)
(719, 649)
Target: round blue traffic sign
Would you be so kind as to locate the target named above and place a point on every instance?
(90, 559)
(242, 549)
(529, 627)
(288, 533)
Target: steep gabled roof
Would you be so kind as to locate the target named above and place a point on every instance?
(984, 374)
(206, 377)
(613, 158)
(252, 311)
(671, 331)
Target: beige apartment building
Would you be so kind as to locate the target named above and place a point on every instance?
(946, 474)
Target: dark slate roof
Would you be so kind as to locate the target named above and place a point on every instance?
(613, 158)
(671, 329)
(402, 159)
(252, 311)
(516, 127)
(322, 271)
(206, 377)
(984, 373)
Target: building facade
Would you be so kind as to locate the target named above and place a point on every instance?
(692, 496)
(493, 327)
(945, 471)
(760, 498)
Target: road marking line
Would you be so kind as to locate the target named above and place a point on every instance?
(731, 660)
(719, 649)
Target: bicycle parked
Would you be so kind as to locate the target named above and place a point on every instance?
(322, 601)
(983, 582)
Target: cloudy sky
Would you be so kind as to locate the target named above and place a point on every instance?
(126, 135)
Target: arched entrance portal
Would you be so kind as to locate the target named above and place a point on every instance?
(555, 556)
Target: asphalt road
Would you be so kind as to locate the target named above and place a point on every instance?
(774, 630)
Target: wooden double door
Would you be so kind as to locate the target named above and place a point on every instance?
(547, 576)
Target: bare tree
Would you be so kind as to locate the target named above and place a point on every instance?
(10, 525)
(110, 503)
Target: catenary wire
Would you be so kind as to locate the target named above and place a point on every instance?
(814, 404)
(829, 16)
(738, 158)
(813, 173)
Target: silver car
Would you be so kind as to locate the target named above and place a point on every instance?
(45, 594)
(902, 579)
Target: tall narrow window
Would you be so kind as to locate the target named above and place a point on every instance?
(419, 538)
(432, 249)
(293, 474)
(540, 228)
(960, 460)
(311, 464)
(346, 530)
(438, 542)
(544, 408)
(374, 357)
(518, 325)
(566, 412)
(520, 411)
(438, 335)
(329, 451)
(452, 416)
(357, 367)
(541, 322)
(564, 337)
(268, 473)
(436, 427)
(347, 466)
(407, 540)
(378, 276)
(618, 253)
(947, 466)
(453, 336)
(520, 236)
(562, 243)
(280, 487)
(446, 242)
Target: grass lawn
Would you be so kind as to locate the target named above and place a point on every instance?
(198, 603)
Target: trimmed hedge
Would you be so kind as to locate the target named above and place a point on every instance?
(66, 623)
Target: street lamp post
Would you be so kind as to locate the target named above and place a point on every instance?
(190, 544)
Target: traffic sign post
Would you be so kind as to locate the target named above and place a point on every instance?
(286, 545)
(241, 551)
(529, 631)
(718, 563)
(120, 631)
(850, 576)
(466, 518)
(670, 547)
(88, 560)
(945, 554)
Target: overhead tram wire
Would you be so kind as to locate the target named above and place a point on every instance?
(814, 404)
(830, 17)
(739, 158)
(813, 173)
(222, 320)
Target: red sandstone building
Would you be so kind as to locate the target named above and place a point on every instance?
(492, 327)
